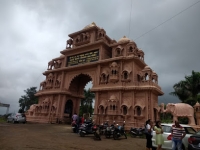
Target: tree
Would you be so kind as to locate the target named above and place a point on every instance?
(86, 103)
(27, 100)
(188, 90)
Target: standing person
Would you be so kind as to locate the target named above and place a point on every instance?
(82, 120)
(74, 121)
(159, 136)
(178, 133)
(74, 117)
(78, 121)
(149, 132)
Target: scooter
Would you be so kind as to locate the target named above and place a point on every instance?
(119, 131)
(137, 132)
(89, 128)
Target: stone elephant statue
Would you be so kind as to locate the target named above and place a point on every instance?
(50, 65)
(43, 85)
(69, 42)
(180, 110)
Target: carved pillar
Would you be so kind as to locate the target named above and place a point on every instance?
(58, 106)
(54, 80)
(100, 53)
(49, 115)
(62, 104)
(99, 72)
(133, 105)
(120, 72)
(147, 105)
(62, 79)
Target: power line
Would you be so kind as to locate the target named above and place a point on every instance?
(130, 20)
(167, 20)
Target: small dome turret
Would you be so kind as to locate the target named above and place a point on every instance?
(124, 39)
(90, 25)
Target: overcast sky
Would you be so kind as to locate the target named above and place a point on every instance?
(34, 32)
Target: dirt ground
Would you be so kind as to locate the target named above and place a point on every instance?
(58, 137)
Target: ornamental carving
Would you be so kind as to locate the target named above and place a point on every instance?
(50, 79)
(69, 43)
(147, 74)
(118, 51)
(101, 34)
(104, 77)
(58, 82)
(50, 65)
(82, 38)
(43, 85)
(114, 72)
(57, 64)
(133, 50)
(126, 74)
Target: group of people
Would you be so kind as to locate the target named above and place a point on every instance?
(77, 120)
(177, 133)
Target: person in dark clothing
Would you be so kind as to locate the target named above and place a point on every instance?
(78, 121)
(149, 132)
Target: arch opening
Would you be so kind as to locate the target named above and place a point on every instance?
(83, 98)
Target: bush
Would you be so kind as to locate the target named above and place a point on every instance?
(2, 119)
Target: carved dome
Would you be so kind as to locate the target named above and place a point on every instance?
(140, 50)
(90, 25)
(197, 104)
(124, 39)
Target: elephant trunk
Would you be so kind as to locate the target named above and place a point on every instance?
(162, 108)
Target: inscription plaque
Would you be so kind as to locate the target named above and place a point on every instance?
(83, 58)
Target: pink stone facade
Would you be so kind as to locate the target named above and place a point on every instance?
(125, 87)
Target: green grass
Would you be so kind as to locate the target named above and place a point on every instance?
(2, 120)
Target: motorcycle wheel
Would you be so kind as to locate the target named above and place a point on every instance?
(115, 136)
(107, 135)
(97, 136)
(125, 136)
(82, 134)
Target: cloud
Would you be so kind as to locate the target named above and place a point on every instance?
(34, 32)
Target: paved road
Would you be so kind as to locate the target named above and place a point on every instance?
(58, 137)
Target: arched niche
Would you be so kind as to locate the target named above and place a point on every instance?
(69, 107)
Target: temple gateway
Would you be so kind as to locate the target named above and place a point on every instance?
(125, 87)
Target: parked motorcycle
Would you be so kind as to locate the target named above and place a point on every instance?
(96, 132)
(89, 128)
(119, 132)
(137, 132)
(102, 128)
(110, 130)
